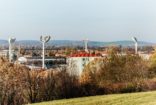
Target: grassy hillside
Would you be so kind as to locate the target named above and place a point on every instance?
(145, 98)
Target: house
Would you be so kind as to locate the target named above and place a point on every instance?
(77, 62)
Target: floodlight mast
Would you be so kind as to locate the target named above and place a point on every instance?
(43, 55)
(136, 44)
(11, 41)
(136, 48)
(86, 45)
(44, 39)
(10, 48)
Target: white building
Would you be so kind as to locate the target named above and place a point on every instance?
(77, 62)
(36, 62)
(4, 53)
(145, 56)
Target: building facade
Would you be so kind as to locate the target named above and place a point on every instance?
(77, 62)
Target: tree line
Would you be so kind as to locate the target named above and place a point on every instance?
(112, 74)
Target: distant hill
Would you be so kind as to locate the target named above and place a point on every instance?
(77, 43)
(3, 42)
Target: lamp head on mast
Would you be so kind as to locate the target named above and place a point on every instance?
(135, 39)
(45, 39)
(12, 40)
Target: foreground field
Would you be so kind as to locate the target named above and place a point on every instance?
(145, 98)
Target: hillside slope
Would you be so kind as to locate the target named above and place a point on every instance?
(145, 98)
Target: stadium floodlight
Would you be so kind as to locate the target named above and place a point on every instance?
(44, 39)
(136, 44)
(11, 41)
(86, 45)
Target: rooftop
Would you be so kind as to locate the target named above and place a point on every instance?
(84, 54)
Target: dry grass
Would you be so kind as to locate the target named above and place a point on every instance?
(145, 98)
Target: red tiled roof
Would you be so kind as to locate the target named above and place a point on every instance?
(83, 55)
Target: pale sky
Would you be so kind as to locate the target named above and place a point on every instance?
(99, 20)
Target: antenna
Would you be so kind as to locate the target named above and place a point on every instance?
(136, 44)
(11, 41)
(44, 39)
(86, 45)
